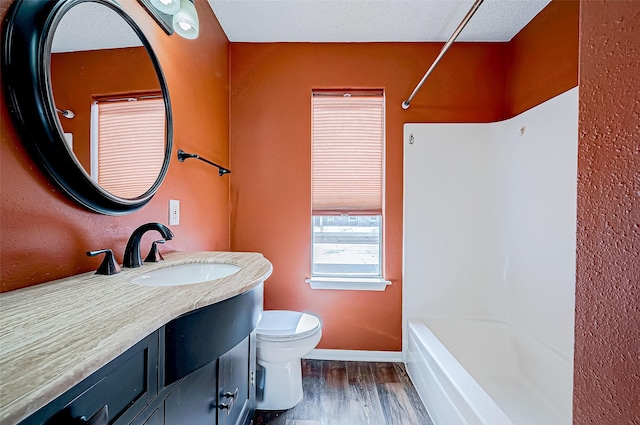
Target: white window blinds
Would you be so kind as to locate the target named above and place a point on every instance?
(127, 131)
(347, 153)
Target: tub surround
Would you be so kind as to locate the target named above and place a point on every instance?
(492, 241)
(56, 334)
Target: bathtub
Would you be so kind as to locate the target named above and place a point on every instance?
(480, 372)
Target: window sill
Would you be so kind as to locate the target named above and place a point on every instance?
(348, 283)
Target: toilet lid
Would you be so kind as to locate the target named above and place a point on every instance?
(281, 325)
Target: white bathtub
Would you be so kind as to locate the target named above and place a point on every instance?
(479, 372)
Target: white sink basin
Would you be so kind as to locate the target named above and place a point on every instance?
(185, 274)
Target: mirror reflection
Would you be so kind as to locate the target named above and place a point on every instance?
(109, 100)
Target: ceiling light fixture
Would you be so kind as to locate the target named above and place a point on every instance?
(185, 21)
(169, 7)
(175, 15)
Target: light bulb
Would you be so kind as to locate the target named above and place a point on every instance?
(169, 7)
(185, 21)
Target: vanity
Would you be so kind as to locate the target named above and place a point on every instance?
(170, 354)
(143, 346)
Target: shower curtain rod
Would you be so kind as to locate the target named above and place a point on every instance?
(476, 4)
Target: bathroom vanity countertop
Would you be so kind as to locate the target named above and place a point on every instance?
(54, 335)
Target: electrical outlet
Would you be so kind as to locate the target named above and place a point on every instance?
(174, 212)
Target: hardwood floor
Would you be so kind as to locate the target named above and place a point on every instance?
(352, 393)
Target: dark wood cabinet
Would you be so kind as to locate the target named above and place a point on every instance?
(221, 392)
(204, 335)
(197, 369)
(236, 382)
(194, 400)
(125, 386)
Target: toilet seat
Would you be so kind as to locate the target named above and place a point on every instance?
(283, 325)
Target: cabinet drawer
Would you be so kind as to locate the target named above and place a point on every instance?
(124, 385)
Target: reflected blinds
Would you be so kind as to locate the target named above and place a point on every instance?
(347, 153)
(127, 131)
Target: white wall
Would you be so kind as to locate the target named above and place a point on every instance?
(490, 219)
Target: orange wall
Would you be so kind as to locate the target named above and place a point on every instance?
(270, 140)
(543, 57)
(270, 137)
(607, 345)
(44, 235)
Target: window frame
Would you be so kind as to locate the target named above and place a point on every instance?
(353, 281)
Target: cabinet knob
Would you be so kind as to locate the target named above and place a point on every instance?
(231, 396)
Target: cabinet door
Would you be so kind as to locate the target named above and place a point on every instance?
(236, 396)
(194, 400)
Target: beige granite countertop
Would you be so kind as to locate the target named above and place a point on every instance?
(54, 335)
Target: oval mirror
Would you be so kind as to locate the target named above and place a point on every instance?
(90, 100)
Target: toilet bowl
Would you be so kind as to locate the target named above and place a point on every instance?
(282, 338)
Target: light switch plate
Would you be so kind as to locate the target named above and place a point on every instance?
(174, 212)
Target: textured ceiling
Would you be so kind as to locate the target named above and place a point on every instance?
(91, 26)
(85, 25)
(371, 20)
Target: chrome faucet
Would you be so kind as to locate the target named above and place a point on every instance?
(132, 257)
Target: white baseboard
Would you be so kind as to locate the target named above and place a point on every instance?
(355, 355)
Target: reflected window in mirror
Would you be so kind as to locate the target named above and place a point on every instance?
(115, 163)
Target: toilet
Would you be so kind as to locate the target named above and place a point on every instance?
(282, 338)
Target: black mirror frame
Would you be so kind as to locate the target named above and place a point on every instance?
(26, 45)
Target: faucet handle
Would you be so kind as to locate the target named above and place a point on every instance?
(154, 255)
(109, 265)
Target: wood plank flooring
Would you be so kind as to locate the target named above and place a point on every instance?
(352, 393)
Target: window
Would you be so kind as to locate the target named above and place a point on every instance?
(348, 247)
(115, 161)
(347, 184)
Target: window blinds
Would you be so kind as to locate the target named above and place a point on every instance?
(347, 153)
(127, 131)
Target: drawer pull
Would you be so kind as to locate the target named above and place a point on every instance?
(101, 417)
(231, 396)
